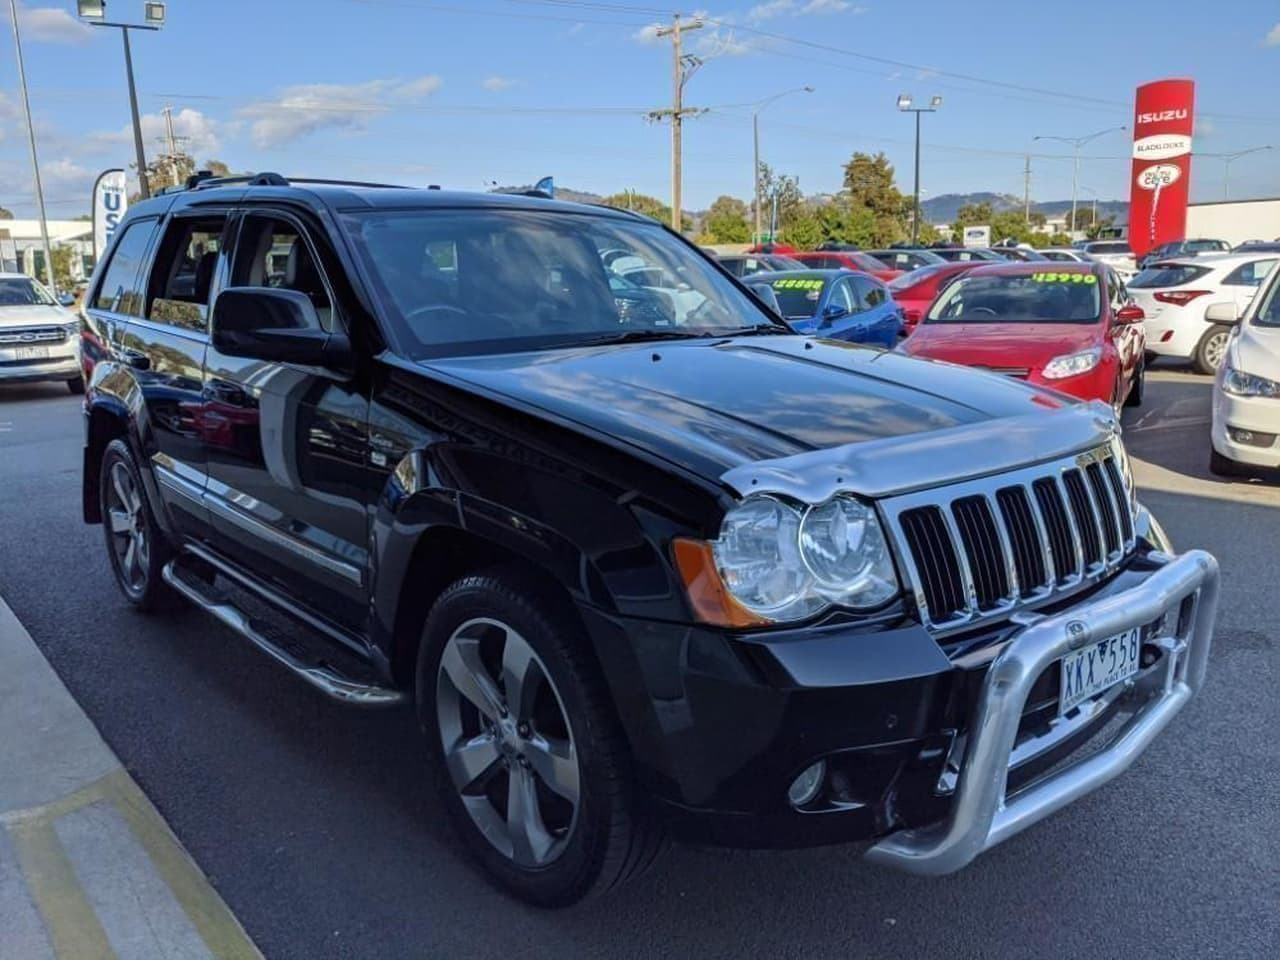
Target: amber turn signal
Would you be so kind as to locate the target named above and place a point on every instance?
(708, 596)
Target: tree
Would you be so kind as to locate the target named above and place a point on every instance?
(172, 170)
(62, 268)
(782, 188)
(644, 204)
(803, 230)
(6, 214)
(726, 222)
(869, 183)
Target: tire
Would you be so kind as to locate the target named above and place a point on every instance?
(593, 830)
(136, 546)
(1138, 388)
(1211, 349)
(1224, 466)
(76, 386)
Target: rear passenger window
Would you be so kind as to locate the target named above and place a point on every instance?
(273, 252)
(1249, 274)
(182, 277)
(120, 290)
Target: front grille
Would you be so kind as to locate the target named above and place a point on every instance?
(25, 336)
(979, 550)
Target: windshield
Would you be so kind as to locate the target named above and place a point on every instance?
(21, 292)
(798, 297)
(485, 281)
(1205, 246)
(905, 259)
(1166, 275)
(1268, 312)
(1019, 298)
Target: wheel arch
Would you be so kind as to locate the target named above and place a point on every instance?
(105, 420)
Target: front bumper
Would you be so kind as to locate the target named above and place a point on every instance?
(61, 363)
(982, 812)
(1259, 415)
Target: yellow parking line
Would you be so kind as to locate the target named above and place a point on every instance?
(74, 929)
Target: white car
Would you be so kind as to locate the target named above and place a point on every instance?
(39, 339)
(1115, 254)
(1175, 295)
(1065, 254)
(1246, 394)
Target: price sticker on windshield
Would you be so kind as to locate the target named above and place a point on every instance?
(798, 283)
(1063, 278)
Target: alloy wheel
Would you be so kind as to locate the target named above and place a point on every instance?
(127, 521)
(1215, 348)
(507, 742)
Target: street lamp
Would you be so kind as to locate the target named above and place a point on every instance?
(904, 104)
(94, 12)
(755, 139)
(35, 159)
(1077, 143)
(1226, 159)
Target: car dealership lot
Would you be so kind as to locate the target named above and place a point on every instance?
(312, 822)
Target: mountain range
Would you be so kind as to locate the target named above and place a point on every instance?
(943, 208)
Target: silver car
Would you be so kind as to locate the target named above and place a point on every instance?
(39, 339)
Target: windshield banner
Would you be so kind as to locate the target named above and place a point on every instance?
(110, 199)
(1161, 174)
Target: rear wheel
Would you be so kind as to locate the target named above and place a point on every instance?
(136, 546)
(529, 757)
(1211, 349)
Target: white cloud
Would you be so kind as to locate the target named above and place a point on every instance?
(51, 25)
(306, 108)
(648, 34)
(723, 43)
(831, 6)
(496, 84)
(770, 9)
(776, 8)
(58, 176)
(1272, 39)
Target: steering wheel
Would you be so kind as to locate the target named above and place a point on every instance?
(984, 310)
(436, 308)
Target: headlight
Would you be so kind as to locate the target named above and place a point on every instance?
(72, 328)
(785, 563)
(1072, 364)
(1242, 384)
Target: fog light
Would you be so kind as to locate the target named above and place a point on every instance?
(806, 786)
(1252, 438)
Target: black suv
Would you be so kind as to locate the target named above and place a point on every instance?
(644, 560)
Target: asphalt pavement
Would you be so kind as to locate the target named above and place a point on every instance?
(314, 823)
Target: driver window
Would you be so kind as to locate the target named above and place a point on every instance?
(273, 252)
(844, 297)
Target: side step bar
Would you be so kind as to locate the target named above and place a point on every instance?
(323, 677)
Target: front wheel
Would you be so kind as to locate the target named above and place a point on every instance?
(1211, 349)
(1224, 466)
(529, 756)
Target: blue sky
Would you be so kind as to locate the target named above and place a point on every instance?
(467, 92)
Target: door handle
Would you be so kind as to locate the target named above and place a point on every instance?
(132, 358)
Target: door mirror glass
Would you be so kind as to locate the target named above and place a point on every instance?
(1222, 313)
(270, 323)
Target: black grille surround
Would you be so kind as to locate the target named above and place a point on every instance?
(979, 550)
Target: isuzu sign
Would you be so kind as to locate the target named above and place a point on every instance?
(1163, 115)
(110, 199)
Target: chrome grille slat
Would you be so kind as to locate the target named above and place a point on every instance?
(978, 550)
(24, 336)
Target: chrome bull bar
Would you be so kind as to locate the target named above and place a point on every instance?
(982, 815)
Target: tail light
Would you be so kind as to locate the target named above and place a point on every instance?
(911, 316)
(1179, 298)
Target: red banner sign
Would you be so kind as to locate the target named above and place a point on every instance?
(1161, 176)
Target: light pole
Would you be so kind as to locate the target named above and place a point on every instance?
(904, 104)
(755, 140)
(93, 12)
(1227, 158)
(35, 159)
(1077, 143)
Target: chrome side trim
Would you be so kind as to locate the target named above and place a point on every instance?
(327, 681)
(171, 481)
(264, 531)
(982, 814)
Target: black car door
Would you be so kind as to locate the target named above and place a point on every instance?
(286, 446)
(166, 348)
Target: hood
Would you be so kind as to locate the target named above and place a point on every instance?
(35, 315)
(713, 405)
(1029, 345)
(1256, 350)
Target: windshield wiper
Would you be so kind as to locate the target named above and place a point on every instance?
(758, 329)
(641, 336)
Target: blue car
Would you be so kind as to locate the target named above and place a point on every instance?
(836, 304)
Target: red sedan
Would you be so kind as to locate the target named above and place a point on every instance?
(847, 260)
(1071, 328)
(914, 291)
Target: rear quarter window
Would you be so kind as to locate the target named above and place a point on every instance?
(1167, 275)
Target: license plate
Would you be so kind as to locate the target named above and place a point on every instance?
(1087, 672)
(32, 353)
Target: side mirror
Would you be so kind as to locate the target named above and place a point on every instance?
(764, 293)
(1222, 313)
(65, 300)
(266, 323)
(1130, 313)
(831, 313)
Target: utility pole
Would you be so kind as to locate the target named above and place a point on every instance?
(682, 68)
(35, 159)
(1026, 191)
(171, 141)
